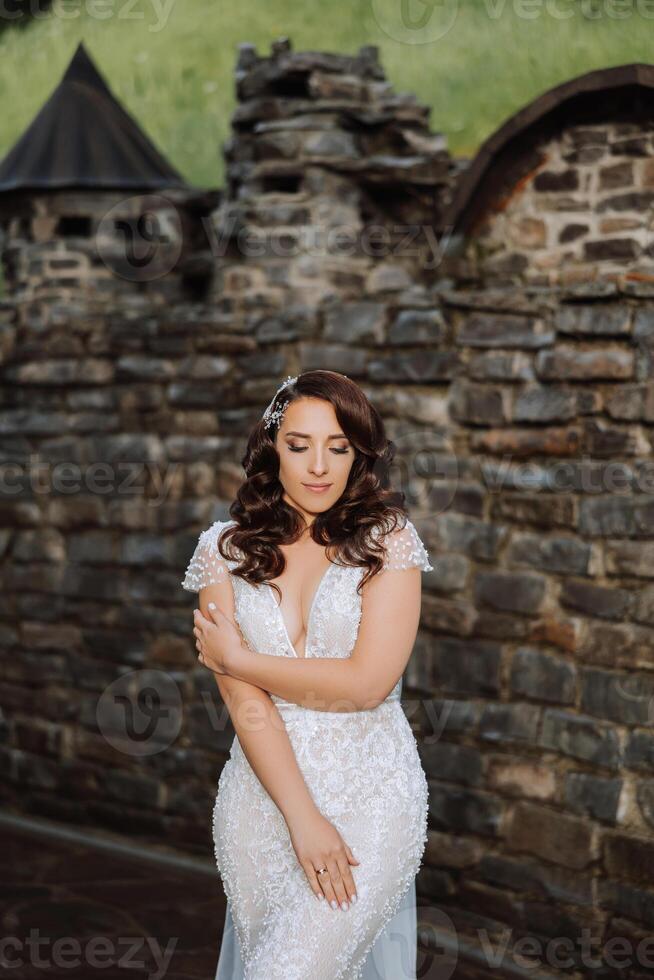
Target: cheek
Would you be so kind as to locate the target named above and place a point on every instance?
(344, 468)
(290, 468)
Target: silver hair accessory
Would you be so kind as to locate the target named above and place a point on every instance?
(270, 417)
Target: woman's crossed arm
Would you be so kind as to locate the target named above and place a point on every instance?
(387, 632)
(263, 737)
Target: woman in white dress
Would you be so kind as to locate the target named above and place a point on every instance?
(320, 819)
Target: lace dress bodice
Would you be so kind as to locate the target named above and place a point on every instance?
(335, 611)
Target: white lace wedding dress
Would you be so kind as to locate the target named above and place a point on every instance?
(362, 769)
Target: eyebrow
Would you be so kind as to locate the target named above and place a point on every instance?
(305, 435)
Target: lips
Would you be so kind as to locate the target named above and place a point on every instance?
(317, 487)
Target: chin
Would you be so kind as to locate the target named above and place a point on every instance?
(317, 502)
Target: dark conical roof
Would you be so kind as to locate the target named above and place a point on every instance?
(83, 137)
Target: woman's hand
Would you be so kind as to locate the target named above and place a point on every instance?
(216, 639)
(318, 844)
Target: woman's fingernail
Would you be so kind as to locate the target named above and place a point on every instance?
(354, 898)
(321, 897)
(334, 904)
(344, 906)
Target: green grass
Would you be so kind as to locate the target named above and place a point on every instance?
(175, 72)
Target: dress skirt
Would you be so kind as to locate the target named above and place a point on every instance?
(393, 956)
(364, 774)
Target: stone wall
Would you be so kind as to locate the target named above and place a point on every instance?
(522, 414)
(102, 247)
(582, 211)
(538, 628)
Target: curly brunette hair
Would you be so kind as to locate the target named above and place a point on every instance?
(264, 520)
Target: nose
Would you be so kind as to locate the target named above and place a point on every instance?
(319, 462)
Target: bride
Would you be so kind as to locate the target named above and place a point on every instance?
(309, 608)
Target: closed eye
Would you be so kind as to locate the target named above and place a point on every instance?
(303, 449)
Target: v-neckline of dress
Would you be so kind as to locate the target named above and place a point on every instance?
(282, 621)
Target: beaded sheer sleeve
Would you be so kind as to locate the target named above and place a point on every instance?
(404, 549)
(207, 566)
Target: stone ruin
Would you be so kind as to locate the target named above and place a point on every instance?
(500, 314)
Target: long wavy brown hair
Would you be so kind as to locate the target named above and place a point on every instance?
(347, 530)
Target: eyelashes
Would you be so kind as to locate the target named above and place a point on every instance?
(303, 449)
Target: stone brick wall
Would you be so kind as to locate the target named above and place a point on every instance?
(582, 212)
(522, 413)
(538, 628)
(102, 247)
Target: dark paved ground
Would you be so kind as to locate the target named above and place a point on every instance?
(130, 912)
